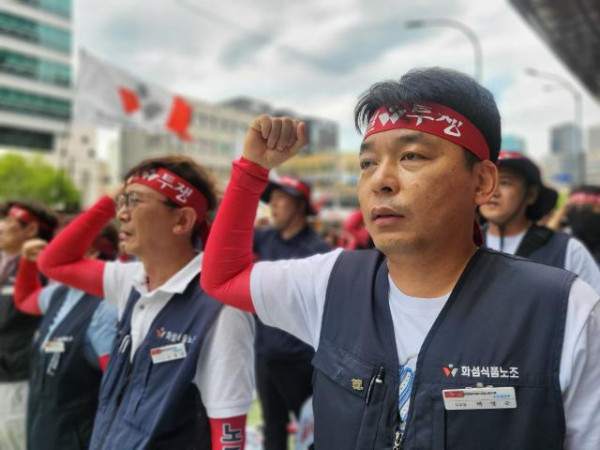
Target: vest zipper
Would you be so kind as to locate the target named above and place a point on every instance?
(397, 440)
(122, 349)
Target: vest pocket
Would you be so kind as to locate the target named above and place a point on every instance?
(347, 401)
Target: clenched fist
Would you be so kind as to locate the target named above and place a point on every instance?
(32, 248)
(270, 141)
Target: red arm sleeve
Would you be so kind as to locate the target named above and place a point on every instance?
(63, 259)
(228, 259)
(228, 433)
(27, 288)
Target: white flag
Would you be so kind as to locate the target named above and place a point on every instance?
(106, 95)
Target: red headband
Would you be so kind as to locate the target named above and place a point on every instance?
(179, 191)
(584, 198)
(22, 214)
(431, 118)
(505, 154)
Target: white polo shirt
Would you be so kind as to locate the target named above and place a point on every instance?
(225, 370)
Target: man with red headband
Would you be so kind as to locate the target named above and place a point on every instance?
(283, 368)
(180, 373)
(520, 200)
(22, 221)
(429, 340)
(580, 216)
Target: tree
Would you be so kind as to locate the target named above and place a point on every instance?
(35, 179)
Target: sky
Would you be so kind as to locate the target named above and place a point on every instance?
(317, 56)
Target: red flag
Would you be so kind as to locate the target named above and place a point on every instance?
(129, 100)
(179, 118)
(107, 95)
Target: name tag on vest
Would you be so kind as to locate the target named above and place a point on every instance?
(54, 347)
(480, 398)
(7, 290)
(168, 353)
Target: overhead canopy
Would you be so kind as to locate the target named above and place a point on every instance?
(572, 30)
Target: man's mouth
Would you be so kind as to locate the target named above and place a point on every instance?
(124, 235)
(382, 215)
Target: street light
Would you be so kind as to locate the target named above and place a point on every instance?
(565, 85)
(561, 83)
(422, 23)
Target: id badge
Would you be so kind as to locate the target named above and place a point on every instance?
(480, 398)
(7, 290)
(168, 353)
(54, 347)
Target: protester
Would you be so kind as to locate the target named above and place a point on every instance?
(283, 362)
(22, 220)
(581, 217)
(71, 350)
(180, 373)
(520, 200)
(408, 334)
(355, 236)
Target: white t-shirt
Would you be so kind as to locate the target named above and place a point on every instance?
(577, 260)
(225, 370)
(291, 295)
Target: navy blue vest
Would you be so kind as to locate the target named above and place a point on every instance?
(16, 334)
(145, 405)
(63, 387)
(541, 244)
(504, 312)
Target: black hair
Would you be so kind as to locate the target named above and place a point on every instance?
(110, 249)
(41, 212)
(437, 85)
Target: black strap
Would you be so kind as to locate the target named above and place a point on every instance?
(536, 237)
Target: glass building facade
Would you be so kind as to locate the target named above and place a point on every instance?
(35, 51)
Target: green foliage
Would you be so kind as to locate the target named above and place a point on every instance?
(35, 179)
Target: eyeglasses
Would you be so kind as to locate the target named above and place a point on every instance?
(131, 200)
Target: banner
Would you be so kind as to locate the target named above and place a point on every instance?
(108, 96)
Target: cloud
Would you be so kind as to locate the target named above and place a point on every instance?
(318, 56)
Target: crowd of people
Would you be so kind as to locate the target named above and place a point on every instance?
(459, 308)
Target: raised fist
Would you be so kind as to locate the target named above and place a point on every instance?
(270, 141)
(32, 248)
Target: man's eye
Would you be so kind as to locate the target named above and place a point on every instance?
(365, 164)
(409, 156)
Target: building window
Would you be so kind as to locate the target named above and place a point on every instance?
(13, 137)
(34, 32)
(58, 7)
(38, 69)
(37, 105)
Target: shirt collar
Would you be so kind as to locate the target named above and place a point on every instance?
(174, 285)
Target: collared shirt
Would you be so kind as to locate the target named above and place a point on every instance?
(224, 374)
(8, 267)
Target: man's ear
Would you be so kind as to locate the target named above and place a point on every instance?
(487, 181)
(185, 220)
(92, 253)
(532, 194)
(32, 230)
